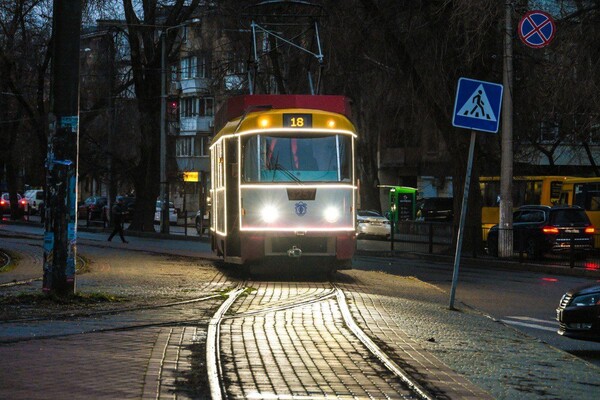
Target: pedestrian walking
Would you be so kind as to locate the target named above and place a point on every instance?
(118, 213)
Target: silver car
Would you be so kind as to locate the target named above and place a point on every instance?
(371, 223)
(172, 213)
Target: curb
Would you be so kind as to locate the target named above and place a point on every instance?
(151, 235)
(486, 263)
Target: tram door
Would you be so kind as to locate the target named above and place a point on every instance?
(233, 200)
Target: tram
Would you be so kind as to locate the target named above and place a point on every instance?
(283, 182)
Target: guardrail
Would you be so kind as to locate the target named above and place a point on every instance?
(437, 238)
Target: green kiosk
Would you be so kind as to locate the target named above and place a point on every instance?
(403, 204)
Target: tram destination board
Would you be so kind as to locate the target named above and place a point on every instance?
(297, 120)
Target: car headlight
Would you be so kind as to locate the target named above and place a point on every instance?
(269, 214)
(331, 214)
(586, 300)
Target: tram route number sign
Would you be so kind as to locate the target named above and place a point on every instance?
(297, 120)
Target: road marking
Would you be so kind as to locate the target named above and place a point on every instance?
(552, 328)
(543, 321)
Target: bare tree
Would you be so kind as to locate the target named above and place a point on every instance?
(146, 21)
(24, 64)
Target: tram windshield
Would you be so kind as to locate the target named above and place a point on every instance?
(276, 158)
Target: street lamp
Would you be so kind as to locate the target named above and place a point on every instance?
(164, 191)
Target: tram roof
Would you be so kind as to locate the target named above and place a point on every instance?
(237, 106)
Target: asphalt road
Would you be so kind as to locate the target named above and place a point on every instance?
(523, 299)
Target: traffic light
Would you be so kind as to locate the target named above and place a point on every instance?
(173, 109)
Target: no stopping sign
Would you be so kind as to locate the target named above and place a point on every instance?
(537, 29)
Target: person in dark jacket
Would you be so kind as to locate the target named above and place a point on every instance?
(118, 214)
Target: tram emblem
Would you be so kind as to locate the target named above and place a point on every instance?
(301, 208)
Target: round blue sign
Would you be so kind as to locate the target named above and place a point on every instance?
(537, 29)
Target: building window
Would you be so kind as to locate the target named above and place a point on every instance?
(235, 66)
(595, 134)
(204, 142)
(549, 131)
(192, 146)
(204, 66)
(197, 107)
(189, 67)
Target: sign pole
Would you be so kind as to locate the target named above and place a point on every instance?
(463, 215)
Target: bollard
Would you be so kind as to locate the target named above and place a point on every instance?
(430, 238)
(521, 247)
(185, 217)
(572, 255)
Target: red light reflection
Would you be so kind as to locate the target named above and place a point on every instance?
(550, 279)
(591, 266)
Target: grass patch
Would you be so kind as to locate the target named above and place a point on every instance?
(40, 299)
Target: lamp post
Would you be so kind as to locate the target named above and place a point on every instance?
(164, 184)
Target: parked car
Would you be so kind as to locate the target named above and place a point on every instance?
(172, 213)
(35, 199)
(435, 209)
(5, 204)
(92, 207)
(578, 313)
(371, 223)
(538, 230)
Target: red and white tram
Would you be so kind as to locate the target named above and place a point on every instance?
(283, 180)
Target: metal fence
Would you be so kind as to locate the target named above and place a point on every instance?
(438, 238)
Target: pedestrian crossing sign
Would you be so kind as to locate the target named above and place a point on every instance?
(477, 105)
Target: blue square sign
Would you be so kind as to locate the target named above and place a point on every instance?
(477, 105)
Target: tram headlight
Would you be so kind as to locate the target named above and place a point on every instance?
(332, 214)
(269, 214)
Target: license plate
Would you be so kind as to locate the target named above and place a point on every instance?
(572, 230)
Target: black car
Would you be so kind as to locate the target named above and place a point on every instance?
(578, 313)
(538, 230)
(435, 209)
(92, 208)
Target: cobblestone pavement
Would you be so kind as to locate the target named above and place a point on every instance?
(279, 343)
(281, 340)
(417, 325)
(150, 345)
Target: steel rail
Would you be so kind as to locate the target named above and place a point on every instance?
(213, 358)
(373, 348)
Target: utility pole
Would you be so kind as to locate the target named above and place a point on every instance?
(505, 237)
(61, 162)
(164, 184)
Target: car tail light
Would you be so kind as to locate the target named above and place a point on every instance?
(550, 230)
(2, 202)
(23, 202)
(590, 229)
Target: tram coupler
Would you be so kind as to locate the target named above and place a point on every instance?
(294, 252)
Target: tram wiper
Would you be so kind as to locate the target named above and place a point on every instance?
(286, 172)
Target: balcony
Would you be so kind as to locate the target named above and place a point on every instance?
(194, 85)
(192, 125)
(174, 88)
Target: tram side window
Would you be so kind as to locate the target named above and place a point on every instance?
(250, 170)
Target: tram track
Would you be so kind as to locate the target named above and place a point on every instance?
(333, 293)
